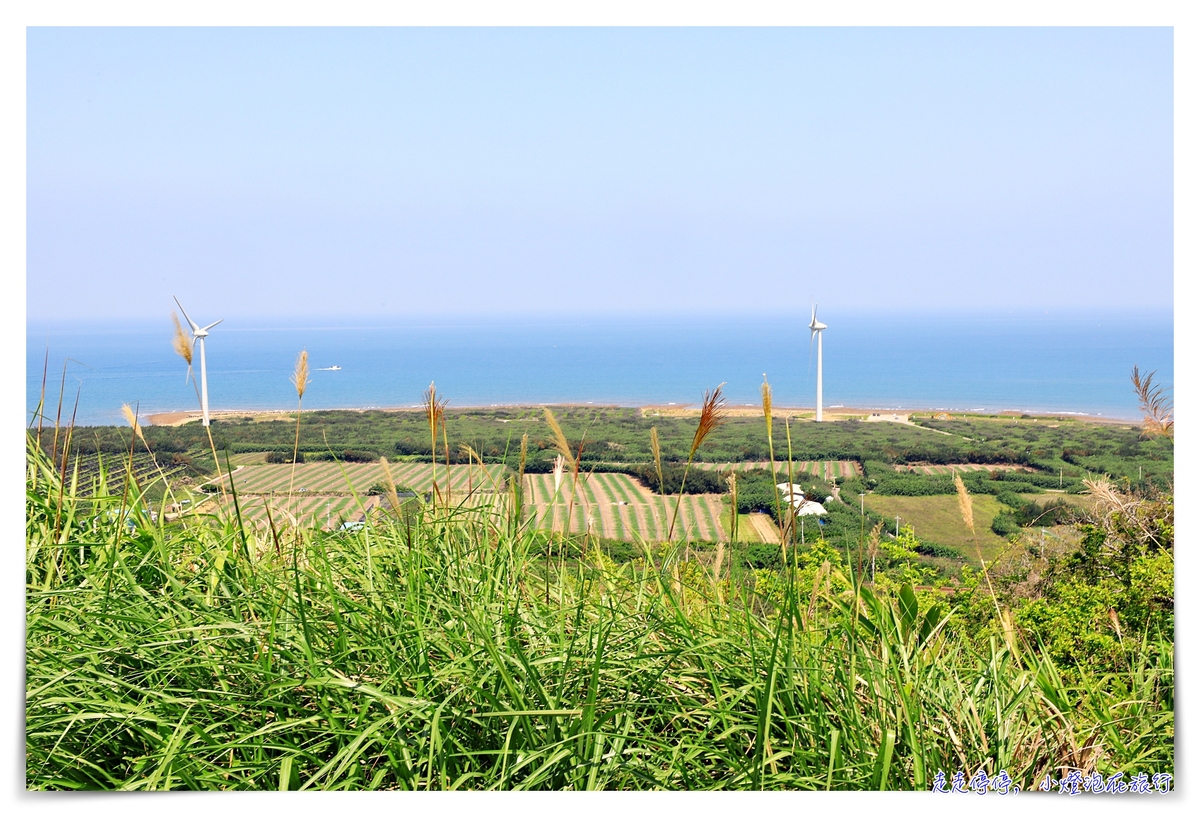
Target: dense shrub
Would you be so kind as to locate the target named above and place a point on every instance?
(284, 456)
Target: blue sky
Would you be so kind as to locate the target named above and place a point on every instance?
(361, 173)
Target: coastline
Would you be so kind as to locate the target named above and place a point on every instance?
(804, 413)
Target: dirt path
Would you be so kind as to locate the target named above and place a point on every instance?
(764, 527)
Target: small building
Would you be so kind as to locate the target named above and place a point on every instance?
(804, 507)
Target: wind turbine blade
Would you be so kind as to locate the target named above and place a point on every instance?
(211, 325)
(191, 323)
(811, 335)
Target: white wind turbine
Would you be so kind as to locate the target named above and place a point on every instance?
(199, 333)
(815, 327)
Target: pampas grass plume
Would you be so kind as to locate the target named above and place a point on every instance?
(180, 342)
(131, 418)
(300, 375)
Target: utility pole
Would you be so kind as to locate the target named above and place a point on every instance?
(897, 526)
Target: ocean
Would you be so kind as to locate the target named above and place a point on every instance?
(1033, 363)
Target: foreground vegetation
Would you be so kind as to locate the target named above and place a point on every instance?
(459, 647)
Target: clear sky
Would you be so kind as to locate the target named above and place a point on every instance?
(279, 173)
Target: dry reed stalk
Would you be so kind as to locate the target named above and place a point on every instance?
(435, 413)
(560, 465)
(560, 440)
(449, 478)
(657, 451)
(767, 415)
(712, 417)
(390, 485)
(787, 425)
(733, 506)
(131, 417)
(873, 546)
(1157, 410)
(300, 381)
(180, 343)
(571, 459)
(718, 560)
(519, 485)
(968, 517)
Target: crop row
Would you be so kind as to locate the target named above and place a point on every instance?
(327, 512)
(344, 478)
(964, 467)
(145, 470)
(615, 506)
(823, 469)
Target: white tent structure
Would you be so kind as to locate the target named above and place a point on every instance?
(804, 507)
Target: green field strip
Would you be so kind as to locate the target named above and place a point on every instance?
(711, 521)
(689, 524)
(637, 510)
(689, 517)
(620, 526)
(656, 527)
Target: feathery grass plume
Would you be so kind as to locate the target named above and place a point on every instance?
(1157, 410)
(131, 418)
(180, 342)
(657, 451)
(712, 417)
(435, 414)
(968, 517)
(560, 464)
(300, 376)
(390, 485)
(300, 381)
(767, 415)
(560, 440)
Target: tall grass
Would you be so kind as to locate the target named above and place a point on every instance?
(416, 654)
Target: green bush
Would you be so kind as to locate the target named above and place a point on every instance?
(284, 456)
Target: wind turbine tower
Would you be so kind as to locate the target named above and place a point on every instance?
(815, 328)
(199, 333)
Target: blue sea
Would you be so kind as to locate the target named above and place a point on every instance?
(1077, 363)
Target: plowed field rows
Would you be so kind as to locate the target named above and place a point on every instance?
(824, 469)
(615, 506)
(326, 512)
(966, 466)
(343, 478)
(329, 511)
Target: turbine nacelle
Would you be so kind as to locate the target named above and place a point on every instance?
(815, 325)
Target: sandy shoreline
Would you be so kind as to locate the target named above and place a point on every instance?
(178, 418)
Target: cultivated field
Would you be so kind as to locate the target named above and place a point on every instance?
(934, 470)
(347, 478)
(822, 469)
(618, 507)
(937, 519)
(326, 512)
